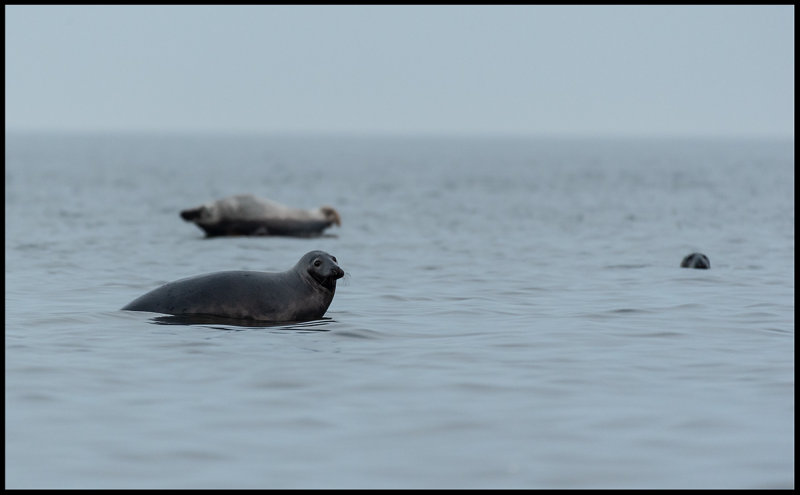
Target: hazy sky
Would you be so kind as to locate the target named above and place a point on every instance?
(609, 70)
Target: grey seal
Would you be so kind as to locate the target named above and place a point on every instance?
(246, 214)
(301, 293)
(696, 260)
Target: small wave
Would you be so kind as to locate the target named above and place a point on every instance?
(687, 306)
(628, 311)
(783, 331)
(222, 323)
(614, 313)
(657, 334)
(359, 333)
(34, 246)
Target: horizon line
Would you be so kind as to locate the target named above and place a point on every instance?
(396, 133)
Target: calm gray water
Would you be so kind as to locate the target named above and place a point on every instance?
(513, 315)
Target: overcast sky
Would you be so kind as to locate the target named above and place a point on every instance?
(607, 70)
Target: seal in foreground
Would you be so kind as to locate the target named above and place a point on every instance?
(696, 260)
(301, 293)
(248, 215)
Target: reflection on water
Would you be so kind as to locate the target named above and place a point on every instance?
(223, 323)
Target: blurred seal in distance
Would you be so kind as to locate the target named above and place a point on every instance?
(301, 293)
(696, 260)
(246, 214)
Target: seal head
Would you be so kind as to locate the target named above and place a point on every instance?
(322, 269)
(696, 260)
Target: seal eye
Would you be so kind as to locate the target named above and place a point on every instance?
(334, 259)
(317, 263)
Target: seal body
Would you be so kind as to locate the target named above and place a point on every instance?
(248, 215)
(696, 260)
(301, 293)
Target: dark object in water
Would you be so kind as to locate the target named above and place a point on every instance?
(696, 260)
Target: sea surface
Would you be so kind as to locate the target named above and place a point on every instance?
(513, 314)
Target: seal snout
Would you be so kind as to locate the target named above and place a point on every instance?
(337, 273)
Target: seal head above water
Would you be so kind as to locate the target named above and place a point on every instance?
(246, 214)
(301, 293)
(696, 260)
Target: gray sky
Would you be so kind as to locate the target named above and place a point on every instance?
(605, 70)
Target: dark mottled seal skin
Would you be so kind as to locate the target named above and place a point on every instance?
(301, 293)
(696, 260)
(248, 215)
